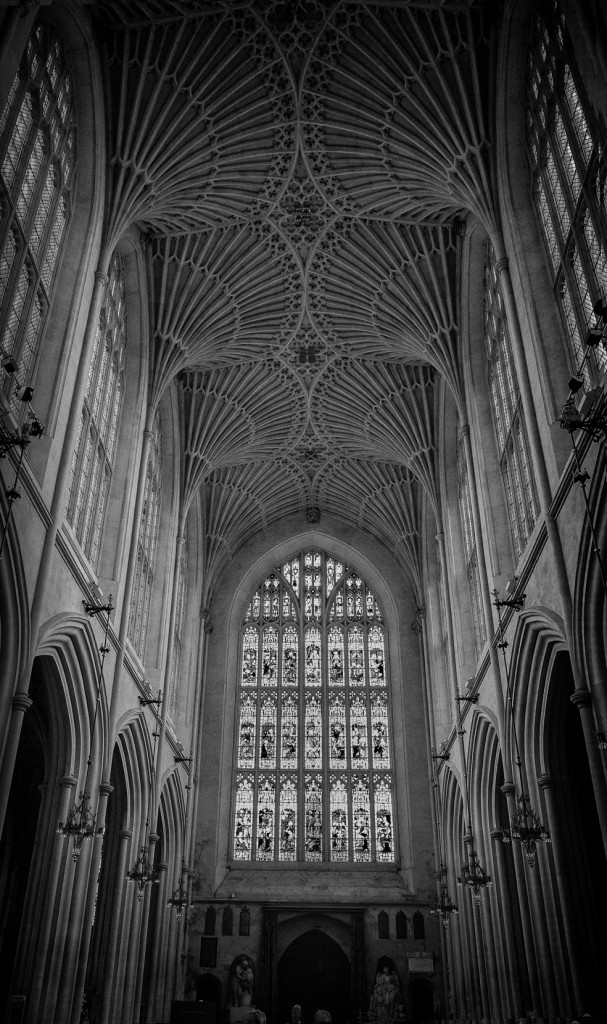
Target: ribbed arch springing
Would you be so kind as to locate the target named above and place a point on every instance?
(37, 165)
(313, 763)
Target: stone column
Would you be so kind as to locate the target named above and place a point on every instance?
(89, 909)
(113, 924)
(561, 887)
(512, 994)
(20, 704)
(523, 904)
(41, 941)
(582, 700)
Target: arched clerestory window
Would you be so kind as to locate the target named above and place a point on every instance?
(470, 548)
(566, 143)
(37, 167)
(147, 542)
(510, 431)
(313, 750)
(93, 459)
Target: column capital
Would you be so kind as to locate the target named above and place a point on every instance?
(464, 430)
(21, 702)
(106, 788)
(153, 838)
(545, 781)
(69, 781)
(581, 698)
(496, 834)
(125, 833)
(101, 277)
(507, 788)
(501, 265)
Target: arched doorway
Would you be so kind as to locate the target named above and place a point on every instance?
(208, 992)
(422, 1000)
(314, 972)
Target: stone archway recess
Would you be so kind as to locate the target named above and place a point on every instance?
(314, 971)
(336, 957)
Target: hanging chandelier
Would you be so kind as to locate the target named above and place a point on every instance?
(143, 873)
(81, 822)
(527, 828)
(474, 876)
(179, 900)
(444, 907)
(80, 825)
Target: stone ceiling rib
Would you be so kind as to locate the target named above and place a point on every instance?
(299, 171)
(203, 124)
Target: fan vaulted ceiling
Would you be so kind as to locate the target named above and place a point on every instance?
(300, 169)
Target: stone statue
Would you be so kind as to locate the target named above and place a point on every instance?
(240, 985)
(385, 1001)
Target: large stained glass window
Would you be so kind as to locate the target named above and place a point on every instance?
(313, 746)
(37, 163)
(511, 436)
(95, 450)
(566, 143)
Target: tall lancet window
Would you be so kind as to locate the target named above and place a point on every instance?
(512, 444)
(313, 746)
(565, 143)
(470, 548)
(93, 459)
(176, 659)
(147, 542)
(37, 162)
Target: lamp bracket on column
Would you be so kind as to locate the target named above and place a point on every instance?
(145, 701)
(96, 609)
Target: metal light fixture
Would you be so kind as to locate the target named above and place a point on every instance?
(143, 871)
(474, 876)
(444, 907)
(81, 823)
(179, 901)
(526, 826)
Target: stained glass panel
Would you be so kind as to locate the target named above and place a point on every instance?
(288, 736)
(313, 817)
(313, 656)
(377, 657)
(266, 800)
(313, 732)
(361, 818)
(379, 730)
(337, 730)
(384, 838)
(339, 819)
(359, 751)
(336, 656)
(288, 817)
(356, 657)
(243, 832)
(290, 652)
(247, 732)
(269, 657)
(267, 733)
